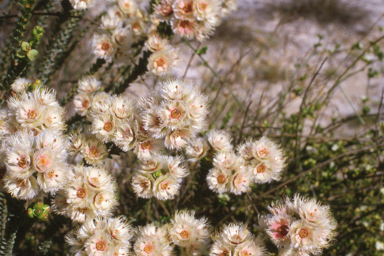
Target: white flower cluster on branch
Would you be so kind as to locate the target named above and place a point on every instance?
(300, 226)
(32, 143)
(101, 237)
(235, 239)
(258, 161)
(194, 18)
(90, 192)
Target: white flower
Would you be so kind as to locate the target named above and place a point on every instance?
(101, 104)
(148, 246)
(240, 181)
(21, 188)
(103, 46)
(124, 136)
(245, 150)
(176, 90)
(88, 84)
(29, 112)
(104, 127)
(156, 43)
(235, 233)
(20, 85)
(183, 9)
(77, 142)
(54, 117)
(53, 179)
(175, 113)
(166, 187)
(120, 229)
(197, 149)
(44, 159)
(82, 103)
(94, 151)
(226, 161)
(205, 10)
(123, 37)
(19, 154)
(184, 28)
(218, 181)
(220, 140)
(99, 244)
(122, 107)
(178, 138)
(148, 148)
(45, 96)
(306, 237)
(142, 185)
(249, 248)
(112, 19)
(82, 4)
(129, 7)
(164, 9)
(175, 166)
(163, 61)
(186, 230)
(154, 122)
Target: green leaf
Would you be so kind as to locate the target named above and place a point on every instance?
(20, 54)
(202, 50)
(25, 46)
(31, 54)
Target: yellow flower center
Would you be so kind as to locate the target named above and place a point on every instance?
(175, 113)
(81, 193)
(100, 246)
(260, 168)
(93, 152)
(184, 234)
(148, 248)
(221, 179)
(108, 126)
(164, 185)
(23, 162)
(303, 233)
(146, 145)
(105, 46)
(31, 114)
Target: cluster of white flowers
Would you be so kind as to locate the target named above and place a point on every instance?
(32, 144)
(160, 176)
(122, 25)
(190, 234)
(89, 193)
(82, 4)
(101, 236)
(171, 117)
(194, 18)
(153, 240)
(177, 112)
(235, 239)
(256, 161)
(125, 25)
(301, 227)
